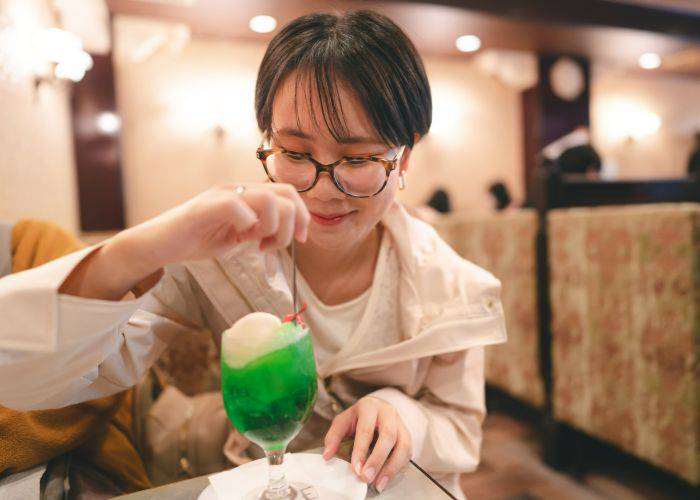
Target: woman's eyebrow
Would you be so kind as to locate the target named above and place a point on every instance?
(354, 139)
(293, 132)
(358, 139)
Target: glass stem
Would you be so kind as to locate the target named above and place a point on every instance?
(277, 486)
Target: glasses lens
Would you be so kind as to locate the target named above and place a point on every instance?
(291, 168)
(360, 177)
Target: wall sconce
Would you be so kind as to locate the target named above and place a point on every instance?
(623, 120)
(60, 56)
(219, 132)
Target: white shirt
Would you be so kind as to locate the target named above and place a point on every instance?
(332, 327)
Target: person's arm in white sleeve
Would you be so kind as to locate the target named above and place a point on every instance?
(445, 423)
(57, 350)
(66, 335)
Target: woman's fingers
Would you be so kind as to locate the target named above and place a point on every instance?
(392, 449)
(285, 229)
(387, 426)
(280, 216)
(265, 205)
(398, 459)
(302, 215)
(242, 216)
(342, 426)
(364, 433)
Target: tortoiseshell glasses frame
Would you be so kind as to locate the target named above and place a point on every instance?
(389, 165)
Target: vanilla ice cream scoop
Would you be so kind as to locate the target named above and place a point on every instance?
(257, 324)
(255, 335)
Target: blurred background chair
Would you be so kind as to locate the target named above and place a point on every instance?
(625, 298)
(505, 245)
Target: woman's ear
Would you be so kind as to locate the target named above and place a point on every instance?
(403, 165)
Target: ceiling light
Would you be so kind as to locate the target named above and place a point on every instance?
(263, 24)
(468, 43)
(650, 60)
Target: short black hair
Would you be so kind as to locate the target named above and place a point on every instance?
(362, 49)
(440, 201)
(579, 160)
(500, 192)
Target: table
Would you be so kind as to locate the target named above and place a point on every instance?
(413, 483)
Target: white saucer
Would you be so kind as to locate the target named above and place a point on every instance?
(334, 480)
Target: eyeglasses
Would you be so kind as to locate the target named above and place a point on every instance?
(356, 176)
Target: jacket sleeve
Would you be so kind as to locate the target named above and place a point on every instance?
(57, 350)
(445, 419)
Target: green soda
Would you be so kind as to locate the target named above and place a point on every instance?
(269, 398)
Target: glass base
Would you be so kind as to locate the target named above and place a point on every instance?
(297, 491)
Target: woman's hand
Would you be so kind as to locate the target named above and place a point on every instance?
(201, 228)
(218, 219)
(392, 449)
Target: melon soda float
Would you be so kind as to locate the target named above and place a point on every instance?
(268, 382)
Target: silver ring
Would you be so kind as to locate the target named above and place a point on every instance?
(239, 189)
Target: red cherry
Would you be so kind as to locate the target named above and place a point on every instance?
(296, 316)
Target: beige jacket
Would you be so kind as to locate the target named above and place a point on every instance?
(77, 349)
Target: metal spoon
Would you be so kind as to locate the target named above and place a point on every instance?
(294, 280)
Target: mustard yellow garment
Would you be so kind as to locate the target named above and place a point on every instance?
(98, 432)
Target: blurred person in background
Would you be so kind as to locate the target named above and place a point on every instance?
(440, 201)
(92, 443)
(573, 154)
(580, 160)
(501, 196)
(437, 205)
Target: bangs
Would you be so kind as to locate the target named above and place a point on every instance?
(361, 52)
(318, 85)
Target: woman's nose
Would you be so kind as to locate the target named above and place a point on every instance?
(325, 189)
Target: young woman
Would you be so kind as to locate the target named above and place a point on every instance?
(398, 319)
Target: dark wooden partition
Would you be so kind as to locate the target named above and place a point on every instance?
(97, 152)
(558, 191)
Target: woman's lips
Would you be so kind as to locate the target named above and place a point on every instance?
(330, 219)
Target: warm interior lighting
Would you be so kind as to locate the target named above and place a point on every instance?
(450, 109)
(28, 48)
(649, 60)
(65, 51)
(263, 24)
(55, 43)
(220, 104)
(468, 43)
(108, 123)
(73, 66)
(622, 120)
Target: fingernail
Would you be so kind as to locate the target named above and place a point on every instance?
(358, 469)
(369, 474)
(381, 484)
(326, 453)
